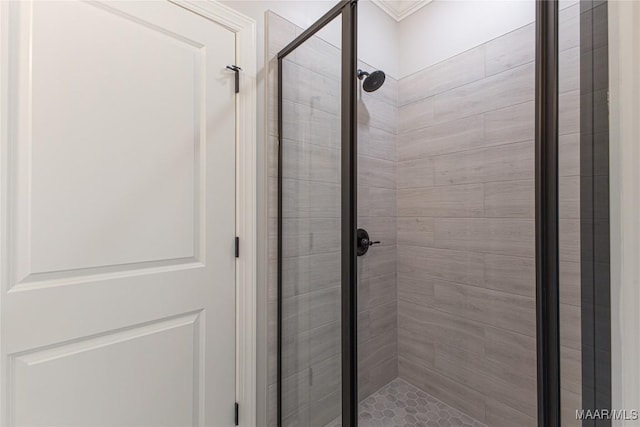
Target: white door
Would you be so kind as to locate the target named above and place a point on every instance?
(118, 216)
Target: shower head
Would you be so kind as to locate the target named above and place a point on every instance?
(371, 81)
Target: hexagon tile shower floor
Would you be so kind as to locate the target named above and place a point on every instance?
(401, 404)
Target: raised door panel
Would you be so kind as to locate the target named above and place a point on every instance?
(110, 379)
(108, 141)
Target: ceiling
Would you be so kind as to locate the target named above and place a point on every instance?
(400, 9)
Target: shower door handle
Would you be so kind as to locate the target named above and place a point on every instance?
(364, 242)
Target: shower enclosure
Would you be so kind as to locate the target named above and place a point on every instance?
(427, 270)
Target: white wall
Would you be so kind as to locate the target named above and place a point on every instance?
(378, 38)
(624, 83)
(377, 31)
(445, 28)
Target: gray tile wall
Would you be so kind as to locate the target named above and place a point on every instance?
(311, 230)
(466, 280)
(377, 278)
(311, 224)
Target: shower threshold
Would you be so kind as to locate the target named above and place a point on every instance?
(399, 403)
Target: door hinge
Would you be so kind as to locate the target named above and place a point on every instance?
(237, 247)
(237, 70)
(237, 416)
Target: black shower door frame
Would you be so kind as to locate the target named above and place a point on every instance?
(546, 209)
(348, 10)
(547, 251)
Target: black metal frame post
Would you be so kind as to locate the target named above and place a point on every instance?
(279, 267)
(547, 248)
(349, 216)
(348, 9)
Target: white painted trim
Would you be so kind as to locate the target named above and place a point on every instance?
(391, 7)
(246, 203)
(624, 73)
(263, 252)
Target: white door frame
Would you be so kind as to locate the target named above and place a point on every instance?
(246, 205)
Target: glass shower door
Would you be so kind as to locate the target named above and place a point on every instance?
(314, 275)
